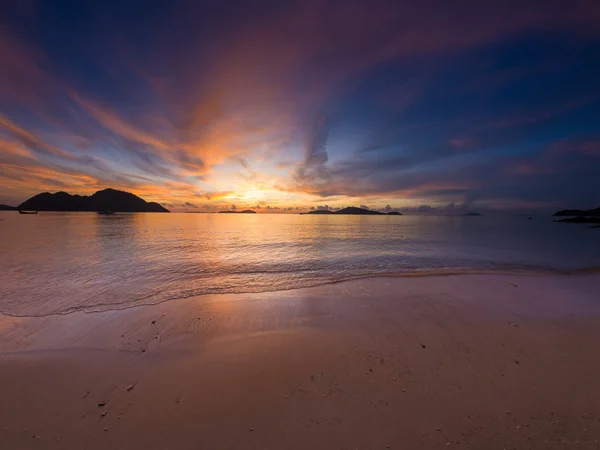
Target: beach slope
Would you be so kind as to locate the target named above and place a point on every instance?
(468, 361)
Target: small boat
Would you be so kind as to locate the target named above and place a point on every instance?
(106, 212)
(27, 212)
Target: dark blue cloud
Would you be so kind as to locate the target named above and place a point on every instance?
(497, 101)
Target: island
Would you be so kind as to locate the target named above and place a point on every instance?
(473, 214)
(580, 219)
(578, 213)
(319, 211)
(245, 211)
(7, 208)
(106, 199)
(353, 210)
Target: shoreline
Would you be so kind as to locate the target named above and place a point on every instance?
(482, 361)
(537, 272)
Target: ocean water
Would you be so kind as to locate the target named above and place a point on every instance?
(56, 263)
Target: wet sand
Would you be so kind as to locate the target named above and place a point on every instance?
(470, 361)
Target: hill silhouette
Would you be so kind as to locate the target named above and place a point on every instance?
(320, 211)
(353, 210)
(578, 212)
(473, 214)
(580, 219)
(361, 211)
(245, 211)
(111, 199)
(7, 208)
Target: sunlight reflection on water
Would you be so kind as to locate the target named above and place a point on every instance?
(60, 262)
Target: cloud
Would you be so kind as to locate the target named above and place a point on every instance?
(364, 207)
(306, 98)
(460, 143)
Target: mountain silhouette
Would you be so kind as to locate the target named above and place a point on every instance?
(245, 211)
(353, 210)
(320, 211)
(578, 212)
(580, 219)
(7, 208)
(107, 199)
(361, 211)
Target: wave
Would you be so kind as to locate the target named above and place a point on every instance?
(151, 300)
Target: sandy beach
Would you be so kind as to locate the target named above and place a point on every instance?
(468, 361)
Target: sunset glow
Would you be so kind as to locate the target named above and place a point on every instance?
(303, 105)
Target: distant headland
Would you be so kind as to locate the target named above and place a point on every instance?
(7, 208)
(353, 210)
(578, 213)
(580, 219)
(245, 211)
(589, 216)
(106, 199)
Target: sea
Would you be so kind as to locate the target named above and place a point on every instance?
(58, 263)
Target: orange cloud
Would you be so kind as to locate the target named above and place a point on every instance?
(254, 97)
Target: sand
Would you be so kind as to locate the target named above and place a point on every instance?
(463, 361)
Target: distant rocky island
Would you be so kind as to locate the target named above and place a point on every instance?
(353, 210)
(580, 219)
(106, 199)
(7, 208)
(245, 211)
(578, 213)
(473, 214)
(589, 216)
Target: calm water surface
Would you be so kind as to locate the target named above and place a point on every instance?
(62, 262)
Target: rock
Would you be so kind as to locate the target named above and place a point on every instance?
(130, 387)
(251, 429)
(101, 404)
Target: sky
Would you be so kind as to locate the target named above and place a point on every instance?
(289, 105)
